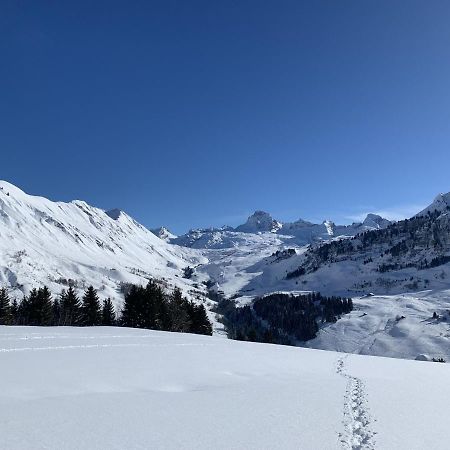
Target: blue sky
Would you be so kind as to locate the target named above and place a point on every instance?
(196, 113)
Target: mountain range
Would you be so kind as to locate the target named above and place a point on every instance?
(301, 231)
(59, 244)
(54, 242)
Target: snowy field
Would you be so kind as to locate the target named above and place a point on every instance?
(115, 388)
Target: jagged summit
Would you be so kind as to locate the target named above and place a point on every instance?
(163, 233)
(260, 221)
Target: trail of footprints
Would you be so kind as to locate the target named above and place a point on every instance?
(357, 420)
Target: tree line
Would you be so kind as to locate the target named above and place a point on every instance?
(144, 307)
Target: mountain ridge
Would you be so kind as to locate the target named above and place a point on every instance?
(54, 243)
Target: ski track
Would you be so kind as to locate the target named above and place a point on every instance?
(72, 347)
(357, 420)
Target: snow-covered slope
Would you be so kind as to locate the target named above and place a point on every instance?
(174, 391)
(112, 388)
(409, 255)
(399, 326)
(45, 242)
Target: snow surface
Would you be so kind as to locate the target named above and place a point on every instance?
(116, 388)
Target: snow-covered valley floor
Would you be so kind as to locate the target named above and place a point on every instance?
(117, 388)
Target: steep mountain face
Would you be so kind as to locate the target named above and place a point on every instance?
(54, 243)
(260, 222)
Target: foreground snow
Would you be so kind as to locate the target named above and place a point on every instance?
(114, 388)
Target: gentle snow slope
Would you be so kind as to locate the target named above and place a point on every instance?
(398, 326)
(113, 388)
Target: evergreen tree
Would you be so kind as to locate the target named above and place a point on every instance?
(36, 309)
(200, 323)
(157, 313)
(45, 306)
(56, 312)
(90, 308)
(14, 312)
(180, 320)
(5, 309)
(23, 310)
(70, 307)
(108, 313)
(132, 307)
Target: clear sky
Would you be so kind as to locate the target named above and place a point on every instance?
(195, 113)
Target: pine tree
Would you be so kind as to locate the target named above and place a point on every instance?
(108, 313)
(5, 309)
(70, 307)
(90, 308)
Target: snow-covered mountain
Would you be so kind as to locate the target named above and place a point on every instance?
(407, 256)
(376, 222)
(163, 233)
(260, 221)
(300, 232)
(54, 243)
